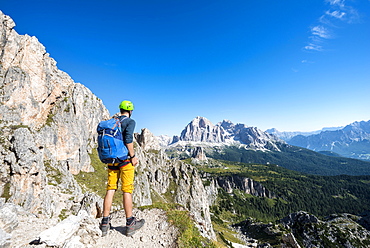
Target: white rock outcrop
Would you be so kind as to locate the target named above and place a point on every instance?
(58, 234)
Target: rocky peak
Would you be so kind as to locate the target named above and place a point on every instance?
(201, 129)
(201, 122)
(272, 131)
(147, 140)
(358, 129)
(226, 124)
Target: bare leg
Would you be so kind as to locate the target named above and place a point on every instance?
(108, 202)
(127, 204)
(132, 224)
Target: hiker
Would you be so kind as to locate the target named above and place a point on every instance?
(124, 171)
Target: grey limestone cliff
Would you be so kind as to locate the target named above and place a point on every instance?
(172, 181)
(47, 123)
(244, 184)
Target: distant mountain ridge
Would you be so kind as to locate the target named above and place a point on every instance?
(287, 135)
(352, 141)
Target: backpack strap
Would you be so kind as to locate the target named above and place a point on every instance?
(121, 119)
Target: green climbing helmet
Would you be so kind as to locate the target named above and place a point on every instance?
(126, 105)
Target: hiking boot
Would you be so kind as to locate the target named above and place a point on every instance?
(105, 225)
(134, 226)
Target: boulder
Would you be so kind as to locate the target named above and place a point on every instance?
(5, 239)
(64, 230)
(8, 217)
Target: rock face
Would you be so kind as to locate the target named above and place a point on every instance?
(244, 184)
(147, 140)
(231, 183)
(58, 234)
(172, 181)
(202, 130)
(47, 123)
(199, 154)
(299, 218)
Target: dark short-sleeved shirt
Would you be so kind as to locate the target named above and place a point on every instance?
(128, 127)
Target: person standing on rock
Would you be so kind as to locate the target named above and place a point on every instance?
(124, 171)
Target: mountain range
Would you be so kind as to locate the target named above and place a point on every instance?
(352, 141)
(238, 142)
(287, 135)
(201, 130)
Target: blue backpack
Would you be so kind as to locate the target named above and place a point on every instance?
(111, 148)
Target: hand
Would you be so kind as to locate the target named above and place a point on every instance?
(134, 161)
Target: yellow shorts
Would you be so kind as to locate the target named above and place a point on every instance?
(126, 174)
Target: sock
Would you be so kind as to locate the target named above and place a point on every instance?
(105, 220)
(130, 220)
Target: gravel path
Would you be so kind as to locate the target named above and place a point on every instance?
(156, 232)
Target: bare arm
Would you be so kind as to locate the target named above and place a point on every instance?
(131, 152)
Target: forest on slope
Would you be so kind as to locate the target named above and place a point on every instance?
(294, 158)
(294, 191)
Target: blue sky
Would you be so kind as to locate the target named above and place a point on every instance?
(288, 64)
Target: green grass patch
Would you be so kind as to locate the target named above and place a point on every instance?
(224, 232)
(6, 191)
(96, 181)
(170, 193)
(63, 214)
(53, 174)
(15, 127)
(49, 120)
(156, 197)
(153, 151)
